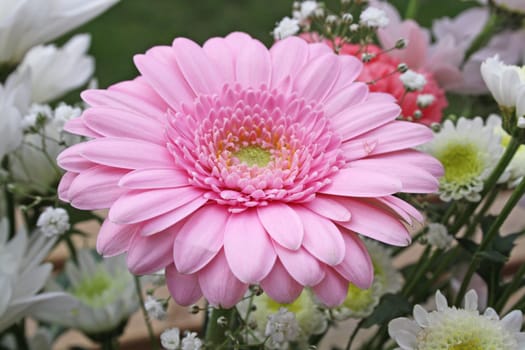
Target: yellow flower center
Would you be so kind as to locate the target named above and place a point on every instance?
(253, 155)
(472, 344)
(90, 289)
(358, 299)
(461, 163)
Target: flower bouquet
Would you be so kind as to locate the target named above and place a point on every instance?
(277, 191)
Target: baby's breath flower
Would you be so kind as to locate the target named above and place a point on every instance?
(374, 18)
(191, 342)
(438, 236)
(282, 327)
(425, 100)
(155, 308)
(38, 116)
(170, 339)
(53, 222)
(285, 28)
(452, 328)
(413, 81)
(305, 10)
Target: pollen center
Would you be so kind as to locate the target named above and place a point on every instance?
(253, 155)
(461, 163)
(468, 345)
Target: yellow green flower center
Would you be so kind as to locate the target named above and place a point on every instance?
(92, 288)
(358, 299)
(253, 155)
(461, 162)
(472, 344)
(294, 307)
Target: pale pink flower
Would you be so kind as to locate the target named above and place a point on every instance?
(231, 164)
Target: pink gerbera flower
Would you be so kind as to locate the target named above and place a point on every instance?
(232, 165)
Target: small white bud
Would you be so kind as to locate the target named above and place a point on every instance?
(354, 27)
(347, 17)
(402, 68)
(401, 43)
(331, 19)
(521, 122)
(425, 100)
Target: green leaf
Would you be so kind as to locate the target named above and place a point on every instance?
(467, 244)
(493, 255)
(390, 307)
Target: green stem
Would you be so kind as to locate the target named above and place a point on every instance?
(486, 206)
(489, 184)
(147, 321)
(493, 231)
(412, 9)
(353, 335)
(9, 201)
(215, 334)
(420, 271)
(511, 288)
(109, 344)
(18, 331)
(483, 37)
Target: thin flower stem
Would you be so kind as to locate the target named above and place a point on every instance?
(109, 344)
(483, 37)
(215, 334)
(493, 194)
(489, 184)
(493, 231)
(353, 335)
(511, 288)
(412, 9)
(420, 271)
(9, 201)
(147, 321)
(18, 331)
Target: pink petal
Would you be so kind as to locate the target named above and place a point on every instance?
(71, 160)
(254, 67)
(249, 250)
(184, 289)
(301, 265)
(112, 122)
(136, 205)
(237, 41)
(351, 67)
(78, 126)
(96, 188)
(416, 158)
(332, 290)
(221, 55)
(364, 117)
(358, 182)
(63, 186)
(346, 97)
(357, 266)
(288, 56)
(219, 285)
(413, 179)
(282, 224)
(322, 238)
(154, 178)
(126, 153)
(200, 238)
(164, 221)
(159, 67)
(316, 50)
(153, 253)
(404, 206)
(316, 79)
(375, 223)
(114, 239)
(394, 136)
(329, 208)
(196, 68)
(280, 286)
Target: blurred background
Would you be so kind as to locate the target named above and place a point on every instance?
(133, 26)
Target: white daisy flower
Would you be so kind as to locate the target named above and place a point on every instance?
(310, 318)
(360, 303)
(453, 328)
(105, 291)
(503, 81)
(469, 151)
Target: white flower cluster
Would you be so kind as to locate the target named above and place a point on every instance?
(170, 340)
(437, 236)
(282, 327)
(374, 17)
(507, 85)
(452, 328)
(53, 222)
(155, 308)
(413, 81)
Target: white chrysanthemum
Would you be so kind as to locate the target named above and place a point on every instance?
(27, 23)
(306, 9)
(22, 276)
(105, 291)
(503, 81)
(469, 151)
(310, 318)
(374, 18)
(53, 221)
(170, 339)
(452, 328)
(15, 98)
(516, 167)
(360, 303)
(30, 164)
(155, 308)
(281, 328)
(285, 28)
(55, 71)
(437, 236)
(413, 81)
